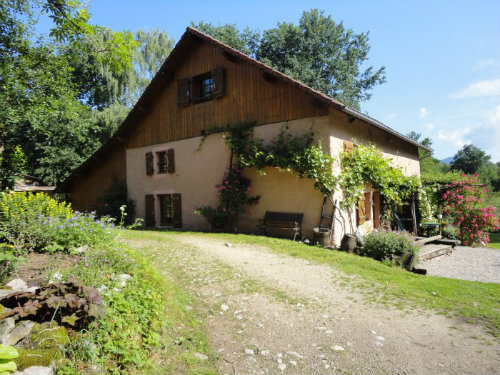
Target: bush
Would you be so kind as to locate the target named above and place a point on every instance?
(38, 222)
(391, 247)
(465, 204)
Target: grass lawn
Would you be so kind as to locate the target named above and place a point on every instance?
(494, 240)
(474, 301)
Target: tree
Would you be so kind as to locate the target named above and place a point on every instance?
(469, 159)
(64, 95)
(318, 51)
(427, 142)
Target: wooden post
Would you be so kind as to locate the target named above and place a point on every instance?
(414, 214)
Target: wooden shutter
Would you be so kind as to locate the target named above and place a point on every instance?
(361, 212)
(376, 209)
(184, 91)
(177, 211)
(218, 81)
(348, 146)
(170, 161)
(150, 210)
(149, 164)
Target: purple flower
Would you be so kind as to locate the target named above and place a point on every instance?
(86, 265)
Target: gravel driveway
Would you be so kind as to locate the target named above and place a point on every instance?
(466, 263)
(271, 314)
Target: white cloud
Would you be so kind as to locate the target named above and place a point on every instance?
(478, 89)
(486, 63)
(495, 117)
(455, 137)
(429, 126)
(423, 112)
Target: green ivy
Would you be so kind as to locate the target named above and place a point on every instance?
(285, 152)
(366, 164)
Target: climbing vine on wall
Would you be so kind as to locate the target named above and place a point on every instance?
(286, 152)
(366, 165)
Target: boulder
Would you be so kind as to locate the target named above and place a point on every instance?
(20, 332)
(6, 327)
(17, 284)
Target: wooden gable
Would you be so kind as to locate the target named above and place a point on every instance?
(246, 94)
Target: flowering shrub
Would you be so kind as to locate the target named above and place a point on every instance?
(388, 246)
(233, 197)
(464, 203)
(38, 222)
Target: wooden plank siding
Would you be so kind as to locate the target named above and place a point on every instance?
(248, 96)
(90, 186)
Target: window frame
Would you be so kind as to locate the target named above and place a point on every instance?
(162, 162)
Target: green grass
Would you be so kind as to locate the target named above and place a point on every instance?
(475, 302)
(147, 328)
(494, 240)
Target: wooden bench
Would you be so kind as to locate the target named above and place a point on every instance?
(291, 221)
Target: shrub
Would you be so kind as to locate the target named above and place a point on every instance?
(9, 259)
(464, 203)
(38, 222)
(388, 246)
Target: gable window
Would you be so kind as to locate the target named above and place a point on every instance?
(162, 161)
(203, 87)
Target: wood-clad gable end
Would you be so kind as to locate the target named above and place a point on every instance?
(241, 92)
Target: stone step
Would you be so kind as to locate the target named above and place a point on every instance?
(423, 240)
(430, 251)
(447, 241)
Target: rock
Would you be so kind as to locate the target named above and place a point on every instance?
(122, 279)
(49, 335)
(337, 348)
(201, 357)
(329, 332)
(237, 312)
(264, 352)
(81, 249)
(17, 285)
(37, 357)
(239, 317)
(5, 292)
(229, 244)
(282, 366)
(21, 331)
(380, 338)
(6, 326)
(249, 351)
(293, 363)
(35, 370)
(224, 308)
(295, 354)
(378, 343)
(373, 332)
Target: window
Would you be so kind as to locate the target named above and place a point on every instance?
(162, 161)
(203, 87)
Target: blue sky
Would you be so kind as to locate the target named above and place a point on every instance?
(442, 57)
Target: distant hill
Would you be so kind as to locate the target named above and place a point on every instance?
(447, 160)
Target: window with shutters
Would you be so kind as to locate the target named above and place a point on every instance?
(162, 161)
(208, 86)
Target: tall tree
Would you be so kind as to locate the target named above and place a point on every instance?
(318, 51)
(469, 159)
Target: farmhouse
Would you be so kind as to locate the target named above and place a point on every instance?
(171, 166)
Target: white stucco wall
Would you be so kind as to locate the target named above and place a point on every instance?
(201, 165)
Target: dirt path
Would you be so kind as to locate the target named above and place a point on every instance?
(278, 314)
